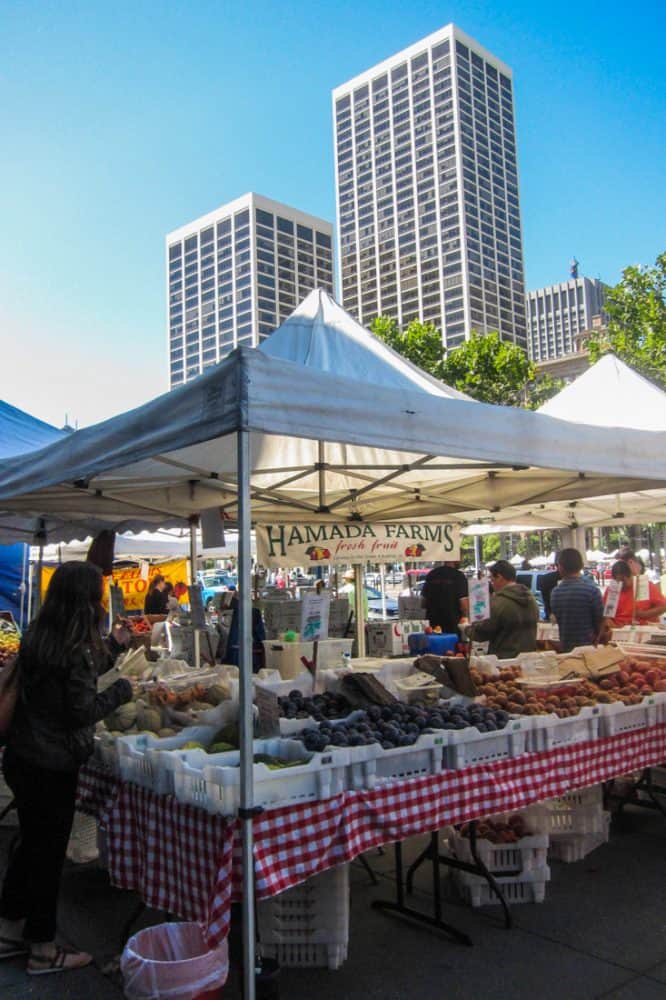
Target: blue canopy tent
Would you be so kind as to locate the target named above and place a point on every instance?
(19, 432)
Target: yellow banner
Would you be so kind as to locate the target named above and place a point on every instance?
(131, 582)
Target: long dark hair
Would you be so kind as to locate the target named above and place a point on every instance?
(70, 617)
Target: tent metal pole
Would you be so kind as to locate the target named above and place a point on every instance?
(359, 609)
(193, 548)
(246, 718)
(321, 473)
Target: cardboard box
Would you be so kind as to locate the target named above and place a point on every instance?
(384, 639)
(410, 608)
(407, 627)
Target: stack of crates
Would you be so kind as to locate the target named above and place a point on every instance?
(309, 924)
(578, 824)
(519, 868)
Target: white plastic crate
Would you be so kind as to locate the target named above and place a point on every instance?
(330, 651)
(524, 855)
(576, 812)
(384, 639)
(372, 766)
(466, 747)
(309, 924)
(216, 787)
(576, 846)
(528, 887)
(142, 759)
(287, 657)
(273, 681)
(549, 731)
(617, 718)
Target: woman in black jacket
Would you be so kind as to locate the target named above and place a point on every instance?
(51, 735)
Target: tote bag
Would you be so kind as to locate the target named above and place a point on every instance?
(9, 690)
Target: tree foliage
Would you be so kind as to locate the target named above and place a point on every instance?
(485, 367)
(636, 331)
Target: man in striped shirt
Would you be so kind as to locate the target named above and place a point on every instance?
(577, 605)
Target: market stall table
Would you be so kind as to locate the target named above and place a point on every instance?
(181, 859)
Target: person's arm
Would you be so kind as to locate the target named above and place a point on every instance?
(464, 607)
(490, 627)
(83, 705)
(657, 604)
(597, 608)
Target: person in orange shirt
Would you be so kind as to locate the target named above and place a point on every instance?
(629, 611)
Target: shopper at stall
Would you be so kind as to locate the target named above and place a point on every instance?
(512, 626)
(349, 589)
(51, 735)
(631, 609)
(577, 605)
(445, 596)
(157, 598)
(172, 601)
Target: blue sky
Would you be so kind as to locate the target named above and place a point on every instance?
(122, 121)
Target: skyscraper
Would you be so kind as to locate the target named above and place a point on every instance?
(428, 210)
(235, 274)
(558, 313)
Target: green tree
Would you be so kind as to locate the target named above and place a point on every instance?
(485, 367)
(636, 331)
(493, 370)
(420, 343)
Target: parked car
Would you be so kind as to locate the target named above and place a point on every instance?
(214, 583)
(530, 579)
(375, 605)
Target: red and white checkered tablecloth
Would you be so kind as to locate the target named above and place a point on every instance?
(187, 861)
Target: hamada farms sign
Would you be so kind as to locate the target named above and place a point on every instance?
(355, 542)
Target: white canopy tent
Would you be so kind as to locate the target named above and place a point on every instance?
(610, 394)
(275, 440)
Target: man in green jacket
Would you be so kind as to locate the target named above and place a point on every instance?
(511, 628)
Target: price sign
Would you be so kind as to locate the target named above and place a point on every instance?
(479, 600)
(314, 617)
(642, 592)
(269, 713)
(612, 598)
(197, 612)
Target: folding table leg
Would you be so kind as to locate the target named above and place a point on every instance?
(398, 907)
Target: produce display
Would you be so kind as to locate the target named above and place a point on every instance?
(10, 640)
(634, 679)
(499, 831)
(400, 725)
(296, 705)
(162, 711)
(138, 625)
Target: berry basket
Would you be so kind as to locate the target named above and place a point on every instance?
(548, 732)
(576, 846)
(216, 785)
(617, 718)
(309, 924)
(528, 887)
(466, 747)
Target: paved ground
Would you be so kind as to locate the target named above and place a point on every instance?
(600, 933)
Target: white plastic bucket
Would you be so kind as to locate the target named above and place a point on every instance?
(173, 962)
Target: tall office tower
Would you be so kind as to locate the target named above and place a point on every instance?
(427, 191)
(558, 313)
(235, 274)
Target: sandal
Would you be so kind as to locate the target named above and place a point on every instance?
(9, 947)
(62, 960)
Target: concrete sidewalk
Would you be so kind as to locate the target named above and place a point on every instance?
(600, 933)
